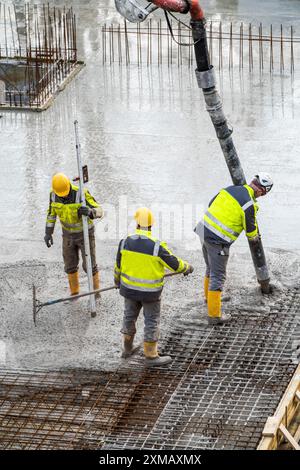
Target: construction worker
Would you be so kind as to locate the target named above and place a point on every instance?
(139, 273)
(230, 212)
(65, 203)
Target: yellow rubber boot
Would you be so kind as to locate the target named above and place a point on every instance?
(152, 359)
(96, 284)
(150, 350)
(96, 281)
(74, 283)
(206, 286)
(214, 304)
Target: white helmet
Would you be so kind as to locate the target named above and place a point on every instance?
(264, 180)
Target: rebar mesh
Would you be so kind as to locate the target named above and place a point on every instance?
(231, 45)
(38, 53)
(220, 388)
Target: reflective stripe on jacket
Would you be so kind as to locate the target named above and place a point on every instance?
(233, 210)
(66, 210)
(140, 266)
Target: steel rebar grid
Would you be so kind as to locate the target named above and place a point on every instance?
(217, 393)
(43, 40)
(263, 45)
(236, 374)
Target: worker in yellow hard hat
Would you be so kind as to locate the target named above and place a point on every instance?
(65, 204)
(139, 273)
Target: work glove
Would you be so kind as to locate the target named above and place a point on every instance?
(87, 211)
(117, 284)
(48, 240)
(189, 270)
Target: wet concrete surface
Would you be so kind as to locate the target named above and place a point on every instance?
(145, 136)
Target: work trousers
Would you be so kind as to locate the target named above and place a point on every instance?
(73, 243)
(216, 258)
(151, 312)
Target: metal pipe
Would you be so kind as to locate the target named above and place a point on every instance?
(206, 80)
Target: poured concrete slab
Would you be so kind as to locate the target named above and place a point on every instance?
(148, 140)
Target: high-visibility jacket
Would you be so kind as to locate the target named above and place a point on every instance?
(140, 266)
(233, 210)
(65, 208)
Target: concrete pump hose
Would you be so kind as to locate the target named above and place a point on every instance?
(181, 6)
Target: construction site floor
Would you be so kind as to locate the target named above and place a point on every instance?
(148, 140)
(63, 384)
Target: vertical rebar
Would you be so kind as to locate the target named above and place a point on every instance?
(55, 34)
(179, 46)
(0, 22)
(104, 43)
(119, 45)
(149, 43)
(281, 50)
(168, 48)
(161, 38)
(5, 31)
(17, 27)
(12, 31)
(189, 48)
(292, 51)
(60, 25)
(241, 54)
(75, 38)
(141, 44)
(210, 43)
(39, 88)
(37, 74)
(261, 51)
(220, 46)
(271, 50)
(109, 35)
(158, 41)
(137, 44)
(230, 48)
(171, 46)
(45, 83)
(127, 53)
(250, 48)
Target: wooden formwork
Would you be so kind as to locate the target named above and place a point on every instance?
(277, 426)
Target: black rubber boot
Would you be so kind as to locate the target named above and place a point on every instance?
(128, 348)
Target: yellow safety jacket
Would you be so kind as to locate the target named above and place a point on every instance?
(233, 210)
(140, 266)
(66, 210)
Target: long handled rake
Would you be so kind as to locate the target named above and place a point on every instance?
(37, 305)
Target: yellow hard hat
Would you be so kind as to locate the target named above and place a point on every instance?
(144, 217)
(61, 184)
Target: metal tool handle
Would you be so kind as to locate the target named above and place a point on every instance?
(37, 305)
(87, 251)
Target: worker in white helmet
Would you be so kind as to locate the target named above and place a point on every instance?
(231, 211)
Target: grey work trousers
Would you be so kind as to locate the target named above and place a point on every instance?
(151, 312)
(72, 245)
(216, 258)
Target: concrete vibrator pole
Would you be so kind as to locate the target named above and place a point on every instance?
(87, 251)
(135, 12)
